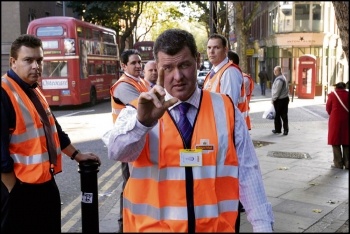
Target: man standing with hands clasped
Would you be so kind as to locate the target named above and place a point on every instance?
(280, 101)
(192, 156)
(32, 142)
(125, 90)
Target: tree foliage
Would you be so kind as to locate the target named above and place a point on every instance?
(122, 16)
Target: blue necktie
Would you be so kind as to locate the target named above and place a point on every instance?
(212, 73)
(184, 124)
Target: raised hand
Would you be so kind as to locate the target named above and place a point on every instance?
(152, 104)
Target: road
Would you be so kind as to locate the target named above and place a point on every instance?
(86, 125)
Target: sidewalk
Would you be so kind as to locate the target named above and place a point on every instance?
(307, 195)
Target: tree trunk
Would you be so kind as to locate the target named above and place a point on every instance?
(341, 9)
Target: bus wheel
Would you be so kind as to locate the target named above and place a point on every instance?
(93, 97)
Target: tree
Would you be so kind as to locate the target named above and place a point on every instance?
(243, 24)
(122, 16)
(341, 9)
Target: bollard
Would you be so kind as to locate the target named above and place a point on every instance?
(89, 197)
(294, 89)
(325, 93)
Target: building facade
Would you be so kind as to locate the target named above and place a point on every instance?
(302, 38)
(15, 17)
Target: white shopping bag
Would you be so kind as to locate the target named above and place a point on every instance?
(269, 113)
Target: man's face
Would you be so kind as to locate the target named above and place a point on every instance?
(180, 73)
(133, 67)
(215, 51)
(29, 64)
(151, 72)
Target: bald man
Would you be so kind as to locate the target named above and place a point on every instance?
(150, 73)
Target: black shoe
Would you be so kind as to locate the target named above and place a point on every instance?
(285, 133)
(274, 131)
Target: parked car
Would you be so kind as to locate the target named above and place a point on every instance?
(201, 77)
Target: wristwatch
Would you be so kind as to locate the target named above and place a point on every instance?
(74, 154)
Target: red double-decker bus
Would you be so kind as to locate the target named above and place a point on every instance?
(146, 50)
(81, 60)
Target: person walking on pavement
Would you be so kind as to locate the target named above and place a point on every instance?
(263, 78)
(280, 101)
(337, 107)
(150, 73)
(225, 77)
(125, 90)
(32, 142)
(183, 188)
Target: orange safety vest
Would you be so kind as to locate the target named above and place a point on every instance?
(28, 146)
(215, 87)
(117, 107)
(155, 195)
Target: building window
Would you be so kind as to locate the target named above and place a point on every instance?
(31, 17)
(302, 17)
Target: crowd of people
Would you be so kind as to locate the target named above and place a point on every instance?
(183, 168)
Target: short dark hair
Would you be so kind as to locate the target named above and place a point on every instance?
(218, 36)
(126, 54)
(172, 41)
(26, 40)
(340, 85)
(233, 56)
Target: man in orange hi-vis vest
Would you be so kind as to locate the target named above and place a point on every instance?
(32, 142)
(192, 156)
(225, 76)
(125, 90)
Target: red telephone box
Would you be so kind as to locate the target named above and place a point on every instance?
(307, 76)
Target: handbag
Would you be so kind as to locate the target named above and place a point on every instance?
(269, 113)
(341, 101)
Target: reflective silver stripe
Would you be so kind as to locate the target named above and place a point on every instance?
(53, 128)
(116, 111)
(168, 213)
(213, 211)
(154, 143)
(180, 213)
(221, 126)
(153, 172)
(207, 172)
(178, 173)
(31, 132)
(32, 159)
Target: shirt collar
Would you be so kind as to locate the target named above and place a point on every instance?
(220, 65)
(135, 78)
(193, 100)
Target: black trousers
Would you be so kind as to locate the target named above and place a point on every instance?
(281, 108)
(31, 208)
(125, 175)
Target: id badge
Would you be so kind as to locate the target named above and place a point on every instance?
(190, 157)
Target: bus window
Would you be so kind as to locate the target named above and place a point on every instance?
(146, 50)
(49, 31)
(99, 69)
